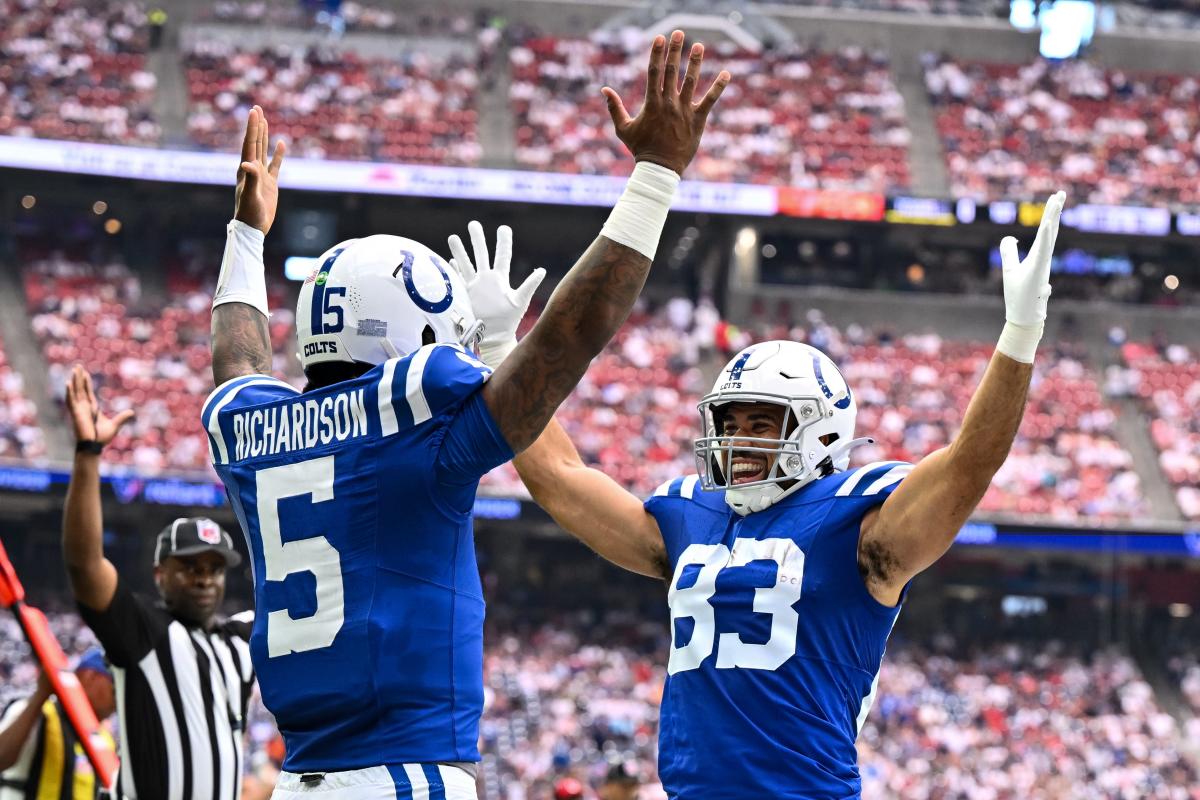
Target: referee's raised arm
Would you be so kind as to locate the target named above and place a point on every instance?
(182, 674)
(93, 577)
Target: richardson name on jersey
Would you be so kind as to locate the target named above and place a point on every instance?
(289, 427)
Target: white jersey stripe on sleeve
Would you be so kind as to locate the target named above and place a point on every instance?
(414, 390)
(850, 483)
(221, 454)
(387, 411)
(689, 486)
(416, 777)
(893, 475)
(662, 490)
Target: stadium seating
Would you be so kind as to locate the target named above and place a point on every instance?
(75, 69)
(20, 436)
(1167, 379)
(151, 357)
(349, 17)
(415, 108)
(1103, 135)
(912, 393)
(796, 117)
(634, 412)
(1019, 721)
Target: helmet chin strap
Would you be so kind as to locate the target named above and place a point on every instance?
(840, 449)
(389, 348)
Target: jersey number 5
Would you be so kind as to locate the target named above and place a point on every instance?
(286, 635)
(694, 602)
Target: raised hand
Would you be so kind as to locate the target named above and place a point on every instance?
(499, 306)
(90, 425)
(1027, 283)
(257, 194)
(668, 128)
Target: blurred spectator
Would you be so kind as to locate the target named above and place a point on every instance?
(75, 69)
(795, 117)
(20, 436)
(1108, 136)
(1167, 379)
(326, 103)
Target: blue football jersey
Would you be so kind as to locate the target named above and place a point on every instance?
(356, 504)
(776, 642)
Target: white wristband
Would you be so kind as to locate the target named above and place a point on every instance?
(243, 277)
(1019, 342)
(638, 217)
(494, 353)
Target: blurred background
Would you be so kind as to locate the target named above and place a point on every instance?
(852, 189)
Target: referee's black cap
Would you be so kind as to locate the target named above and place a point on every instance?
(188, 536)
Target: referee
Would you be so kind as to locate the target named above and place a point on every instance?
(182, 677)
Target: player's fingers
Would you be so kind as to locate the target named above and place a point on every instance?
(250, 141)
(1008, 253)
(525, 290)
(261, 152)
(277, 159)
(695, 59)
(89, 391)
(654, 71)
(671, 69)
(461, 259)
(122, 418)
(713, 94)
(503, 250)
(1048, 229)
(616, 109)
(483, 261)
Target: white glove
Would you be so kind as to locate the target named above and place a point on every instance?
(496, 303)
(1027, 285)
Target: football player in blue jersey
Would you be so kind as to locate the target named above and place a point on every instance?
(786, 569)
(356, 495)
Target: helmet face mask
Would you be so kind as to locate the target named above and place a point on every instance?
(815, 433)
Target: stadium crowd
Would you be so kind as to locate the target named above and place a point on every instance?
(565, 698)
(797, 117)
(912, 392)
(150, 357)
(76, 69)
(1021, 131)
(633, 413)
(326, 103)
(20, 436)
(1166, 378)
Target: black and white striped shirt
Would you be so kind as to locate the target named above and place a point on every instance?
(181, 695)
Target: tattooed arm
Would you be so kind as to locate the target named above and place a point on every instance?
(241, 340)
(598, 293)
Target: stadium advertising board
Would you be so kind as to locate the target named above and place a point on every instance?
(469, 183)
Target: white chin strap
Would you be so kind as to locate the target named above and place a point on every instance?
(842, 450)
(760, 497)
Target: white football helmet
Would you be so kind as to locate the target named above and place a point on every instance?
(817, 403)
(371, 299)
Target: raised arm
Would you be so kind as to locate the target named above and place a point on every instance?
(591, 506)
(241, 340)
(93, 577)
(918, 522)
(595, 297)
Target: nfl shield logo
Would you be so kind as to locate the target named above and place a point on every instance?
(208, 531)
